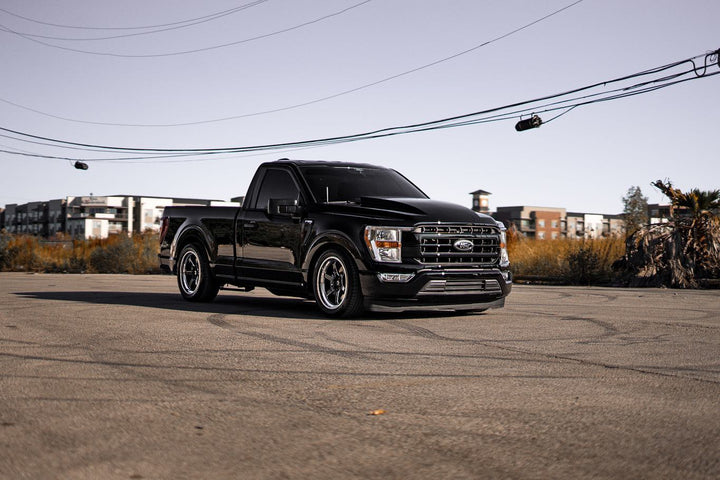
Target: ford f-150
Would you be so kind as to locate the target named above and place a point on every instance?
(351, 236)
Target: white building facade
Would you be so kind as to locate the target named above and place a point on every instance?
(94, 216)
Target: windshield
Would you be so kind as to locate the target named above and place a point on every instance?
(349, 184)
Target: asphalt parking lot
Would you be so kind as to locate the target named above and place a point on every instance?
(115, 376)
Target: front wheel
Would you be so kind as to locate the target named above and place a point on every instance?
(193, 274)
(336, 285)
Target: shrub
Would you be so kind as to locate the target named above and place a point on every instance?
(562, 260)
(4, 244)
(21, 254)
(116, 254)
(114, 257)
(543, 258)
(583, 266)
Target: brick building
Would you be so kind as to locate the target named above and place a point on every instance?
(551, 222)
(533, 222)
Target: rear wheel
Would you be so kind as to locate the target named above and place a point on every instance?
(194, 277)
(336, 285)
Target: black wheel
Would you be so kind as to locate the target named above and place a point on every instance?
(194, 277)
(336, 285)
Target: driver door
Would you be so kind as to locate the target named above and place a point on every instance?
(271, 241)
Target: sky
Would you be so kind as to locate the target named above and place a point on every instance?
(274, 55)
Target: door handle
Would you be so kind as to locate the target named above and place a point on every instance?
(250, 225)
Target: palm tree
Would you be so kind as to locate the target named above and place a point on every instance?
(702, 201)
(697, 202)
(683, 253)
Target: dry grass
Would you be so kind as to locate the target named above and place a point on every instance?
(116, 254)
(577, 262)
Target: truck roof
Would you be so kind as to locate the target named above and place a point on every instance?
(310, 163)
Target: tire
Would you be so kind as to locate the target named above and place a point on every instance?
(336, 285)
(194, 278)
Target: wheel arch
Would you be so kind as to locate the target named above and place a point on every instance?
(326, 242)
(191, 235)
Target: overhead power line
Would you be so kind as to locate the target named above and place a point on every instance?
(317, 100)
(84, 27)
(564, 101)
(184, 52)
(159, 29)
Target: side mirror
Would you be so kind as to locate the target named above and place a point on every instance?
(284, 207)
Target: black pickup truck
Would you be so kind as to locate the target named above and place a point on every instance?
(351, 236)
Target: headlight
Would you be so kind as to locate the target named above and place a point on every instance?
(384, 244)
(504, 258)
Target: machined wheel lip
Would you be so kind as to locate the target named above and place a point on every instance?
(332, 282)
(190, 272)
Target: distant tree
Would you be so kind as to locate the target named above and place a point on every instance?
(635, 211)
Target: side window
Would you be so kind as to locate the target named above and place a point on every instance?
(276, 184)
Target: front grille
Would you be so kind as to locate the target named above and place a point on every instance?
(450, 244)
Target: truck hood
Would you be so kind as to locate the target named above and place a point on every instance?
(416, 210)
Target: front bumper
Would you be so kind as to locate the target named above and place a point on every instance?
(438, 289)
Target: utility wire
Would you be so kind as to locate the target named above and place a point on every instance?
(176, 26)
(39, 155)
(317, 100)
(216, 14)
(485, 116)
(643, 73)
(184, 52)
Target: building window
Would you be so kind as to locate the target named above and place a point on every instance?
(541, 223)
(554, 224)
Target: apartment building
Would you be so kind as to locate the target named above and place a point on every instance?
(28, 218)
(93, 216)
(594, 225)
(534, 222)
(98, 216)
(658, 213)
(550, 222)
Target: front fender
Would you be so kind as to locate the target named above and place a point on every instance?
(333, 238)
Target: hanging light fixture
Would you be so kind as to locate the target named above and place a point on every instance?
(528, 123)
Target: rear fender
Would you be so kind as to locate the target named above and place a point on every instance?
(193, 234)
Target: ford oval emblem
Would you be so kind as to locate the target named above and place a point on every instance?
(463, 245)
